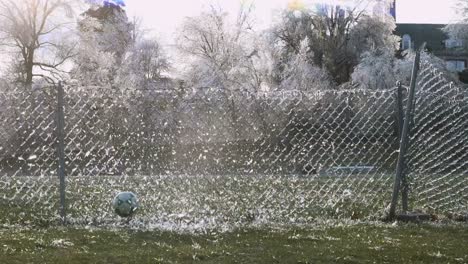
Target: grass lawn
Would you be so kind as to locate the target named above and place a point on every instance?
(427, 243)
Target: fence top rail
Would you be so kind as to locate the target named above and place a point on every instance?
(198, 91)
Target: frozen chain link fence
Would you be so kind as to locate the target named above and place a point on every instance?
(217, 159)
(214, 160)
(27, 151)
(438, 154)
(203, 159)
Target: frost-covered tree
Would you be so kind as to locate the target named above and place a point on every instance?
(373, 34)
(378, 71)
(337, 35)
(111, 26)
(227, 60)
(105, 36)
(382, 70)
(144, 64)
(34, 31)
(218, 52)
(92, 65)
(300, 74)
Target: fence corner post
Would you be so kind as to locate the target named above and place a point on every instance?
(60, 119)
(400, 178)
(400, 121)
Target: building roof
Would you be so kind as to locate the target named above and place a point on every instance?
(432, 34)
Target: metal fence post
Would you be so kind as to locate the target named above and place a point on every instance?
(399, 108)
(400, 122)
(61, 151)
(399, 176)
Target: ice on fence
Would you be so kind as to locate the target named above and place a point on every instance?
(215, 160)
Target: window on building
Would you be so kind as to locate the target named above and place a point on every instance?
(453, 43)
(406, 42)
(456, 65)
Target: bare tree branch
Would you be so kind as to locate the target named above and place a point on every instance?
(24, 23)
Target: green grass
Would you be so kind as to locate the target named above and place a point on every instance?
(31, 233)
(351, 244)
(229, 200)
(216, 201)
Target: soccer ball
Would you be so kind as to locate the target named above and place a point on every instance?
(125, 204)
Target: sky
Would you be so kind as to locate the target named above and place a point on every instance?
(163, 17)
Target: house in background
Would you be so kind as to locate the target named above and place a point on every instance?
(452, 51)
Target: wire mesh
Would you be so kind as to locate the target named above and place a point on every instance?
(205, 157)
(28, 192)
(438, 156)
(213, 158)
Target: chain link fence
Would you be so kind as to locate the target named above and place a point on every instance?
(28, 162)
(438, 155)
(211, 158)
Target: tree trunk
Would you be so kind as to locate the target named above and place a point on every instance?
(28, 65)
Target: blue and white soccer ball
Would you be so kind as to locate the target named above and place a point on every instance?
(125, 204)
